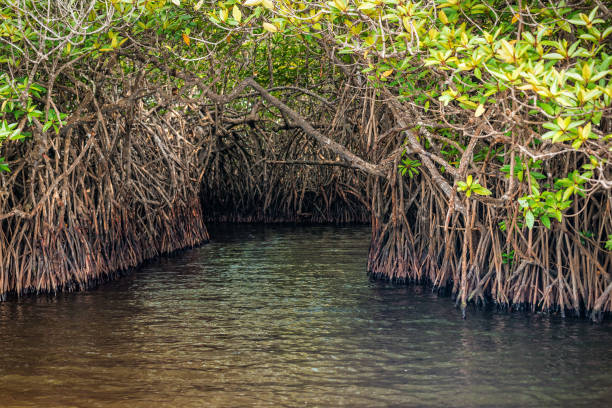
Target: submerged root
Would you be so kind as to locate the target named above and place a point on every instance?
(549, 270)
(100, 199)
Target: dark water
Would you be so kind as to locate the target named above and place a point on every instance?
(281, 316)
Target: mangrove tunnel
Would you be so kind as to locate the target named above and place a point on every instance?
(474, 137)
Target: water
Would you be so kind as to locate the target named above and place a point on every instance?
(285, 316)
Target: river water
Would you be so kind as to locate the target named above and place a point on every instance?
(284, 317)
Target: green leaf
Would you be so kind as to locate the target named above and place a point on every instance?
(529, 219)
(545, 221)
(609, 243)
(568, 193)
(547, 108)
(3, 165)
(482, 191)
(553, 56)
(270, 27)
(366, 6)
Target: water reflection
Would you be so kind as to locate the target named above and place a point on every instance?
(284, 316)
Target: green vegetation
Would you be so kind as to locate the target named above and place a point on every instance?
(480, 131)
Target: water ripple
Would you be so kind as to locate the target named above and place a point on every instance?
(284, 317)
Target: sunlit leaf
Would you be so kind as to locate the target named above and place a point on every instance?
(479, 110)
(529, 219)
(236, 13)
(270, 27)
